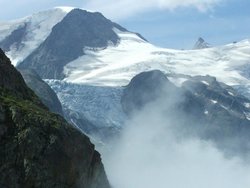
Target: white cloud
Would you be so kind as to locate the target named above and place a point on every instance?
(114, 9)
(119, 9)
(154, 152)
(19, 9)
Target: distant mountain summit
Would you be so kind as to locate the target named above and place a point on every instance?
(201, 44)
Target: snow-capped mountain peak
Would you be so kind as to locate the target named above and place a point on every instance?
(79, 30)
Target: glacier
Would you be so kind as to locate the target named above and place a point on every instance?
(99, 104)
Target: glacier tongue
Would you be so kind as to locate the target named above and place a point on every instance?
(99, 105)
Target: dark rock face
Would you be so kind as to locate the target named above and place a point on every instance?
(39, 148)
(42, 90)
(15, 38)
(78, 29)
(226, 122)
(12, 81)
(203, 107)
(149, 86)
(143, 88)
(210, 89)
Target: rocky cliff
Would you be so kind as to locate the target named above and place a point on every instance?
(39, 148)
(202, 106)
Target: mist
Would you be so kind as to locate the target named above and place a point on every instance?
(155, 151)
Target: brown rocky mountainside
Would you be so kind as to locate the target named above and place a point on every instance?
(39, 148)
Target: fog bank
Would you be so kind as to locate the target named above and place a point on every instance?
(151, 154)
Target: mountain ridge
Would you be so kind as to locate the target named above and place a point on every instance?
(103, 66)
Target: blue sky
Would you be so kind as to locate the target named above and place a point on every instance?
(225, 23)
(166, 23)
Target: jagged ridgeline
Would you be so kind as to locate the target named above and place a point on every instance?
(39, 148)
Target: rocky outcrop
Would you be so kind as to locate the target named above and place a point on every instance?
(78, 30)
(227, 114)
(42, 90)
(214, 92)
(147, 87)
(142, 89)
(39, 148)
(201, 107)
